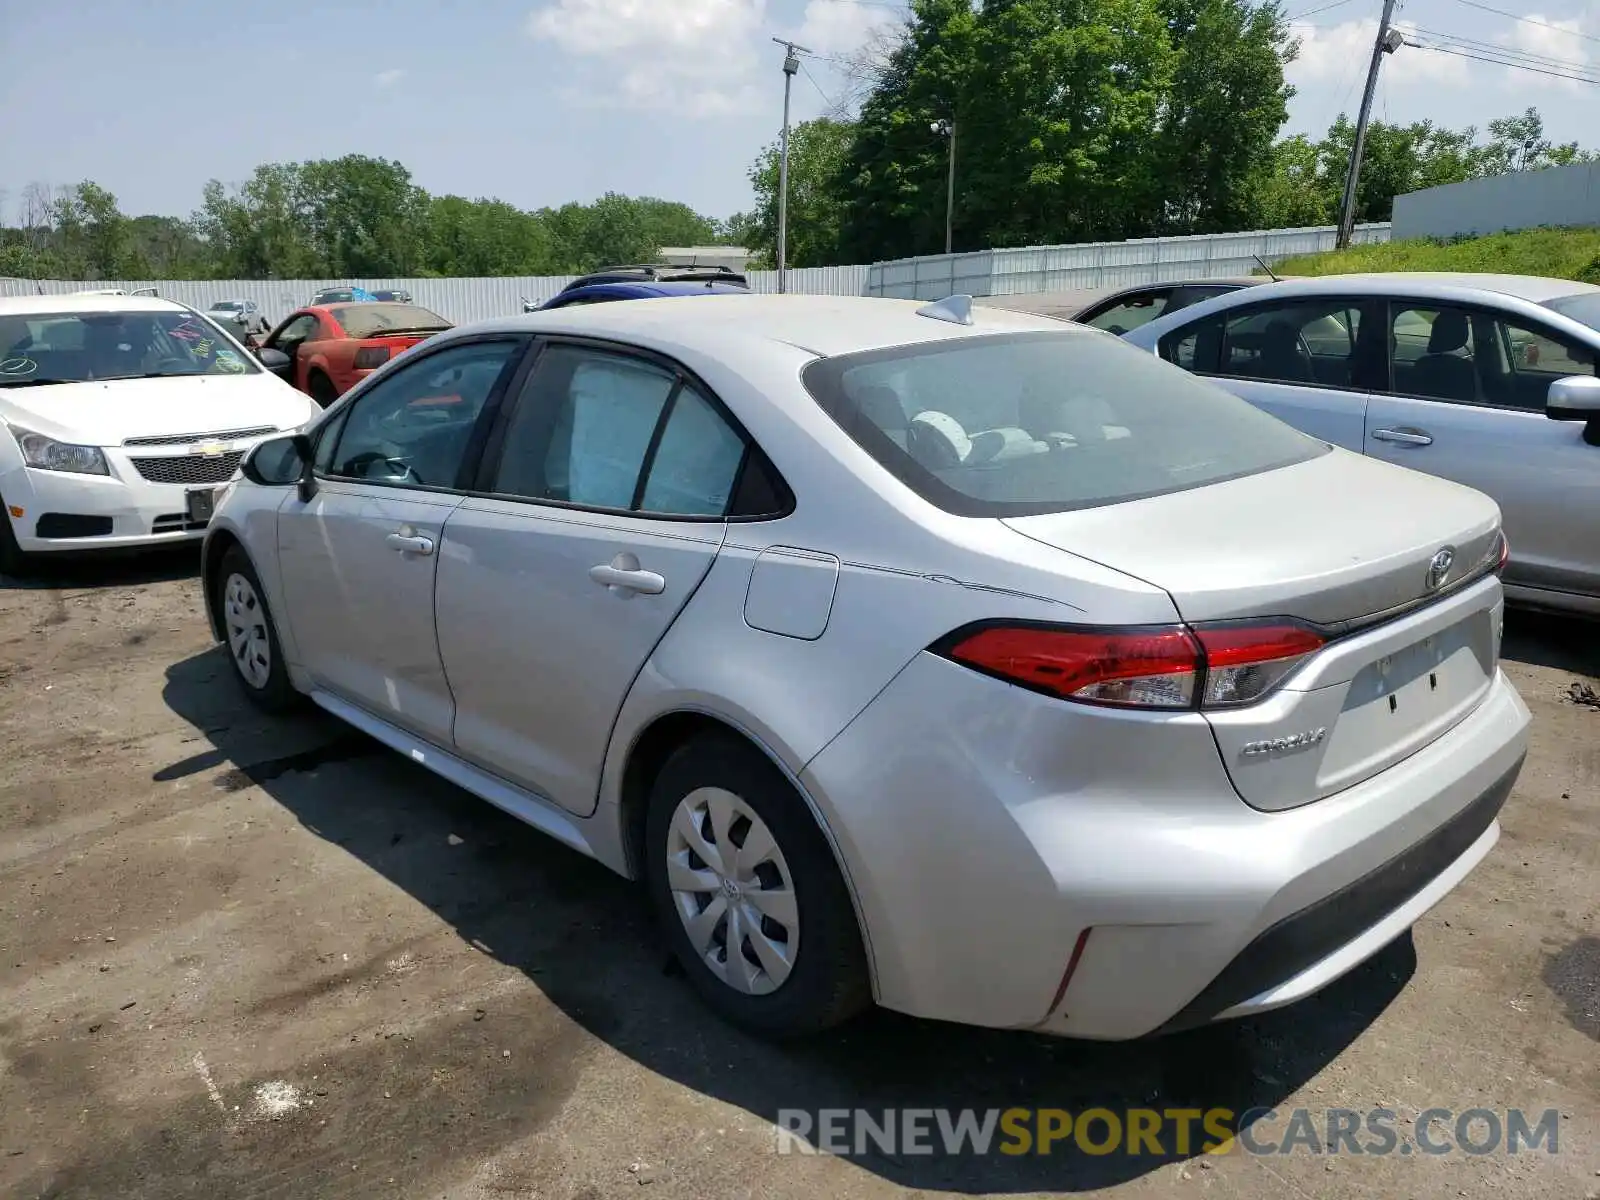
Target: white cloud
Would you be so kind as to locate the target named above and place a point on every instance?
(831, 28)
(694, 57)
(1553, 39)
(389, 78)
(1340, 53)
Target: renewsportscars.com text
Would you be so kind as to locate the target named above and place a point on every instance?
(848, 1132)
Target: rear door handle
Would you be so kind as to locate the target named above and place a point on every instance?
(1403, 437)
(623, 575)
(410, 543)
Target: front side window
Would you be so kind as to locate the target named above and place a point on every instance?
(1009, 425)
(1471, 356)
(415, 426)
(295, 332)
(79, 347)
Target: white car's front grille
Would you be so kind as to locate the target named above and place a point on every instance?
(189, 439)
(189, 468)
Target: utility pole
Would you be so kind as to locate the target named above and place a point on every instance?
(791, 65)
(948, 129)
(1388, 41)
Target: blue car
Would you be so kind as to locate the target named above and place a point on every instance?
(640, 283)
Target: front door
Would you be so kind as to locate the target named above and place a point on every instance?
(609, 486)
(359, 558)
(1467, 403)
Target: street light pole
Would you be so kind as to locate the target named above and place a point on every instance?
(948, 128)
(791, 65)
(1388, 41)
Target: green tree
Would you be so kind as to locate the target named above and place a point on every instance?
(91, 233)
(817, 153)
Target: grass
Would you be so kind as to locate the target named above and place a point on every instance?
(1556, 253)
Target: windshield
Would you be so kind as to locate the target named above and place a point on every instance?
(1585, 307)
(78, 347)
(1009, 425)
(374, 320)
(227, 306)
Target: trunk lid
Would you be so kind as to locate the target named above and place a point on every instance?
(1342, 542)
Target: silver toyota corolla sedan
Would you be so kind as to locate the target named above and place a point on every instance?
(955, 659)
(1488, 380)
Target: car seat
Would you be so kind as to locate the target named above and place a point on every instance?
(1443, 372)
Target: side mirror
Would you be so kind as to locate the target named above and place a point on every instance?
(274, 360)
(1575, 398)
(279, 462)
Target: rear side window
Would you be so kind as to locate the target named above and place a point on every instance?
(1008, 425)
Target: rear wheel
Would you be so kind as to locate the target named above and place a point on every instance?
(252, 639)
(321, 389)
(748, 892)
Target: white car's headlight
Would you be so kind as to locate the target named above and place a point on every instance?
(47, 454)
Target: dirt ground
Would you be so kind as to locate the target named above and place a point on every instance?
(247, 957)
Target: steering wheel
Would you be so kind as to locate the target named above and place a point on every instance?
(397, 468)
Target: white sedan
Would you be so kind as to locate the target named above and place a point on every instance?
(119, 418)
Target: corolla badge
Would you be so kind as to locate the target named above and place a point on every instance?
(1284, 745)
(1439, 568)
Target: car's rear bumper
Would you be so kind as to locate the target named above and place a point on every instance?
(985, 828)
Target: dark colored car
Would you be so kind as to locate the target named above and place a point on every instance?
(1122, 310)
(642, 283)
(392, 295)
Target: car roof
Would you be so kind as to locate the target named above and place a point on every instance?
(80, 302)
(738, 322)
(1535, 289)
(643, 289)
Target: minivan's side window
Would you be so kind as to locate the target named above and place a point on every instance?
(1470, 356)
(606, 430)
(414, 427)
(1303, 341)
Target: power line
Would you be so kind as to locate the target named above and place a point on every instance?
(833, 105)
(1311, 12)
(1500, 48)
(1500, 12)
(1503, 62)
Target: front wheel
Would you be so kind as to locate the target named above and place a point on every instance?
(748, 893)
(253, 647)
(321, 389)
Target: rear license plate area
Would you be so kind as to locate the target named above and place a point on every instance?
(201, 504)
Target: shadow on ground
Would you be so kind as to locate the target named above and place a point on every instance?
(584, 937)
(1546, 640)
(108, 569)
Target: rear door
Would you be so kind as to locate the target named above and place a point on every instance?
(358, 559)
(1309, 361)
(1466, 402)
(608, 484)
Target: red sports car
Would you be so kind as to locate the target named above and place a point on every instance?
(332, 347)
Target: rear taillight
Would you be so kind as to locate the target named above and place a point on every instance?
(1166, 667)
(369, 357)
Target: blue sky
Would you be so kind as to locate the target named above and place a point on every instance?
(543, 101)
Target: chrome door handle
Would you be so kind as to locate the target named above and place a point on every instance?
(1403, 437)
(410, 543)
(623, 575)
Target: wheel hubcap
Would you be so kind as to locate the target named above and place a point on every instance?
(732, 889)
(246, 622)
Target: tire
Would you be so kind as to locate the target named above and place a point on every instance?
(12, 560)
(251, 636)
(815, 947)
(321, 389)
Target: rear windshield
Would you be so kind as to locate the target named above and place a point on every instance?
(1014, 424)
(1585, 307)
(372, 320)
(77, 347)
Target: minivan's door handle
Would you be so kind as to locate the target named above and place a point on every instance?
(1403, 437)
(623, 575)
(410, 543)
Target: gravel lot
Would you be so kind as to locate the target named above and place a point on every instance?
(245, 957)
